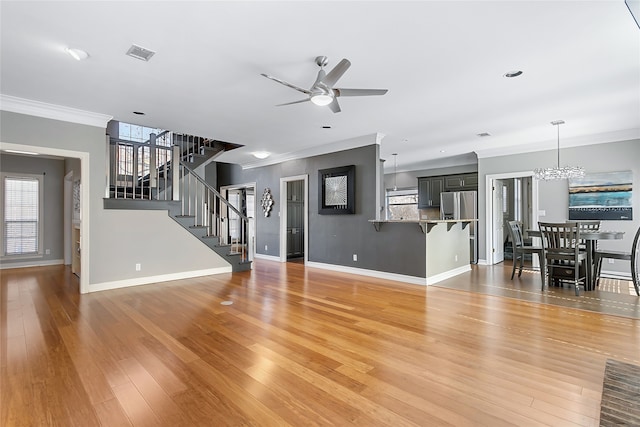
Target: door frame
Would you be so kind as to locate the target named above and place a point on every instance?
(68, 212)
(283, 215)
(251, 232)
(489, 244)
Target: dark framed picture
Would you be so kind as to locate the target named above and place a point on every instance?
(336, 190)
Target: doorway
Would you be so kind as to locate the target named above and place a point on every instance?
(294, 218)
(509, 196)
(243, 198)
(67, 212)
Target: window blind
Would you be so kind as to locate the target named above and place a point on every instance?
(21, 215)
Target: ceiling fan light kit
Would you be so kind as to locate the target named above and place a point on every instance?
(321, 99)
(322, 92)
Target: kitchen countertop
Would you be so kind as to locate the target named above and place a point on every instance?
(377, 223)
(416, 221)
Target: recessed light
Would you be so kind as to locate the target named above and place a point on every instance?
(261, 154)
(140, 113)
(483, 134)
(77, 54)
(514, 73)
(443, 151)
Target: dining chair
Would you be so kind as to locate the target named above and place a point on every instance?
(564, 260)
(633, 256)
(586, 226)
(520, 249)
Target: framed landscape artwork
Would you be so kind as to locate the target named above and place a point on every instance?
(336, 190)
(603, 196)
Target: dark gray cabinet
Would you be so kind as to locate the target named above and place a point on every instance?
(462, 182)
(429, 189)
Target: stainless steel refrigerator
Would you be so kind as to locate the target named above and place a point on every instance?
(462, 205)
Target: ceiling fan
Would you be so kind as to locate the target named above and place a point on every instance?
(322, 91)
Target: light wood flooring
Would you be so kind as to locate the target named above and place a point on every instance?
(300, 347)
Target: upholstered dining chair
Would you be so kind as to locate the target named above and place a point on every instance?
(633, 256)
(520, 249)
(563, 258)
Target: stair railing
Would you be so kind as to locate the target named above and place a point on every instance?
(221, 219)
(140, 170)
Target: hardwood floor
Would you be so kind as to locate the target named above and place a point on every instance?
(300, 347)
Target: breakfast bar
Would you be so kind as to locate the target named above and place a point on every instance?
(446, 245)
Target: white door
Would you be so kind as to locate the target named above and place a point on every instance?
(498, 222)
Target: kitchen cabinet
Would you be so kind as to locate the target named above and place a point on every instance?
(429, 189)
(462, 182)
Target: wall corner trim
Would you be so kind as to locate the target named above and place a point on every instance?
(52, 111)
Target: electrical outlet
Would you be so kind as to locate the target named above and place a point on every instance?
(47, 251)
(456, 258)
(611, 261)
(138, 267)
(355, 257)
(266, 248)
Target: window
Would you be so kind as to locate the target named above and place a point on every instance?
(22, 213)
(403, 204)
(137, 133)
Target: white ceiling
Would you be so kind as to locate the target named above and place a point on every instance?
(442, 61)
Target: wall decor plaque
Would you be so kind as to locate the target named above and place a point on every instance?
(336, 190)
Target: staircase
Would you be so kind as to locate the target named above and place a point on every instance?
(174, 185)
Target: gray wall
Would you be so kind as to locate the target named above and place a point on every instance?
(554, 195)
(118, 239)
(53, 193)
(333, 239)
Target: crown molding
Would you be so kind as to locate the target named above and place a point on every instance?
(52, 111)
(579, 141)
(334, 147)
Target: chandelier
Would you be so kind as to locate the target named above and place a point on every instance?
(564, 172)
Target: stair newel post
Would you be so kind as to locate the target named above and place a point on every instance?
(108, 167)
(209, 213)
(153, 165)
(243, 231)
(175, 172)
(196, 205)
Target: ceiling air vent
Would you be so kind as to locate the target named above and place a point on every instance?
(483, 134)
(139, 52)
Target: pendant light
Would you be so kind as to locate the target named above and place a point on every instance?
(395, 171)
(558, 172)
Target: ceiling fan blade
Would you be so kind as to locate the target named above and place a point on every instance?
(337, 72)
(294, 102)
(359, 92)
(334, 106)
(282, 82)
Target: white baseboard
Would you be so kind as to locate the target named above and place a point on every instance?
(414, 280)
(482, 262)
(267, 257)
(96, 287)
(616, 274)
(25, 264)
(448, 274)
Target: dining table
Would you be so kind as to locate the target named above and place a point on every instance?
(590, 238)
